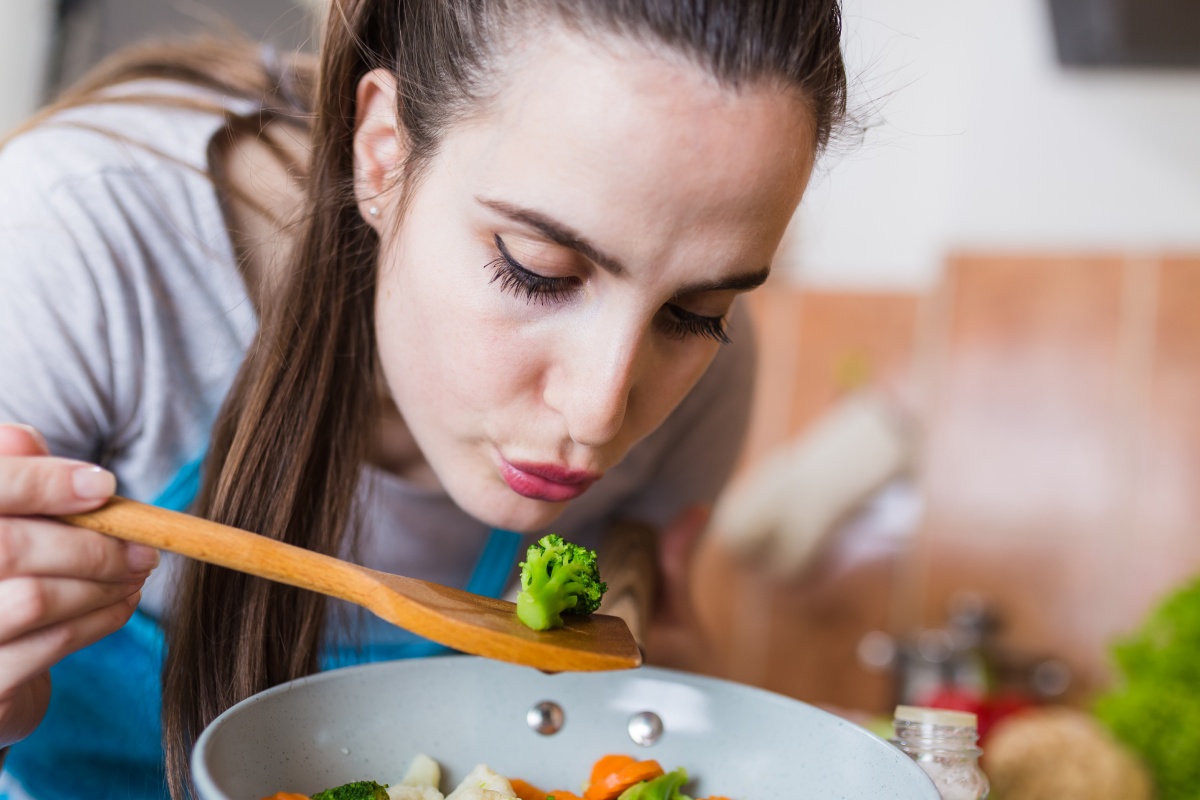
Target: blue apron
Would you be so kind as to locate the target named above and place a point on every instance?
(102, 735)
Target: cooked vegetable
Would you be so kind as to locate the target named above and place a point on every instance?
(664, 787)
(613, 777)
(358, 790)
(557, 578)
(526, 790)
(422, 771)
(401, 792)
(610, 785)
(1155, 708)
(482, 783)
(606, 765)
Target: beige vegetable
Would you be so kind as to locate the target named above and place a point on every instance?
(1058, 753)
(476, 793)
(420, 781)
(482, 783)
(422, 771)
(401, 792)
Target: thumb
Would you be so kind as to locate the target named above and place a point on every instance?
(21, 440)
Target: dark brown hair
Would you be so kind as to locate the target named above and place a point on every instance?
(288, 449)
(289, 445)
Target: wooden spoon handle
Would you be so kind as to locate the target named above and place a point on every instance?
(224, 546)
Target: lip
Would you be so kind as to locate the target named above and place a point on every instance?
(549, 482)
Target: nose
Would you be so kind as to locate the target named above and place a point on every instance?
(593, 382)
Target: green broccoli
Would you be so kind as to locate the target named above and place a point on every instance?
(557, 578)
(358, 790)
(664, 787)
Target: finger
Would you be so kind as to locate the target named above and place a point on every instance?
(33, 603)
(43, 548)
(27, 657)
(24, 710)
(22, 440)
(46, 485)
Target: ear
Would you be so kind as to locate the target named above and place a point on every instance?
(379, 148)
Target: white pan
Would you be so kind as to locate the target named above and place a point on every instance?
(366, 722)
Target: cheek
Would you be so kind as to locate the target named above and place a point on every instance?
(445, 350)
(672, 377)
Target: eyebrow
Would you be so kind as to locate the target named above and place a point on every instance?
(556, 232)
(736, 283)
(566, 236)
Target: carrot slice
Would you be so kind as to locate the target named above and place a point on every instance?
(614, 783)
(607, 765)
(287, 796)
(526, 790)
(560, 794)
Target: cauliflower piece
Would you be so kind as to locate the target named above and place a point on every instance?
(477, 793)
(482, 783)
(422, 771)
(420, 781)
(403, 792)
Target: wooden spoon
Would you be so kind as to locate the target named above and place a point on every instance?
(460, 620)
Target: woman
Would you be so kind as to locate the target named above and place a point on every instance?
(485, 288)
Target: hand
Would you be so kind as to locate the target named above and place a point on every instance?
(675, 637)
(61, 588)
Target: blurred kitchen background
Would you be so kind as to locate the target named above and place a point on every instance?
(1004, 263)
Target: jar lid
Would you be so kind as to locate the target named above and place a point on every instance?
(936, 716)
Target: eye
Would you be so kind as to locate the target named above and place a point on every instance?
(679, 323)
(521, 281)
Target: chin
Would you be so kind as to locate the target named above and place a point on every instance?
(516, 513)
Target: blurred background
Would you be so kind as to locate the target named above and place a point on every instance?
(980, 352)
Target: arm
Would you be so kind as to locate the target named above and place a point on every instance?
(61, 588)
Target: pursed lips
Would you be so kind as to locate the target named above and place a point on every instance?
(546, 481)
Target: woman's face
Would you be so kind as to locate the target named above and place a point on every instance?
(556, 282)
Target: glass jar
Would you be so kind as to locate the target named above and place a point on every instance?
(943, 743)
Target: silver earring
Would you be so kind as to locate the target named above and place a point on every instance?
(373, 211)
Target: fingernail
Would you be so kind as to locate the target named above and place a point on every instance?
(36, 434)
(93, 483)
(140, 558)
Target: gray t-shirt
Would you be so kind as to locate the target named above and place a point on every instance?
(124, 319)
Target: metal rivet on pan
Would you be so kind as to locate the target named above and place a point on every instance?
(645, 728)
(546, 718)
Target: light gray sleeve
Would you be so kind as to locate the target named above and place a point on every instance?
(56, 359)
(703, 437)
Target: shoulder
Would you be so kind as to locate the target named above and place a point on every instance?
(100, 181)
(115, 265)
(142, 147)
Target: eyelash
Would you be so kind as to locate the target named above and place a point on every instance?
(521, 282)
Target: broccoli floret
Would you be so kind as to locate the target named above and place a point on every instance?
(557, 578)
(359, 790)
(664, 787)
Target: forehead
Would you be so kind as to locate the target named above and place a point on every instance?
(605, 127)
